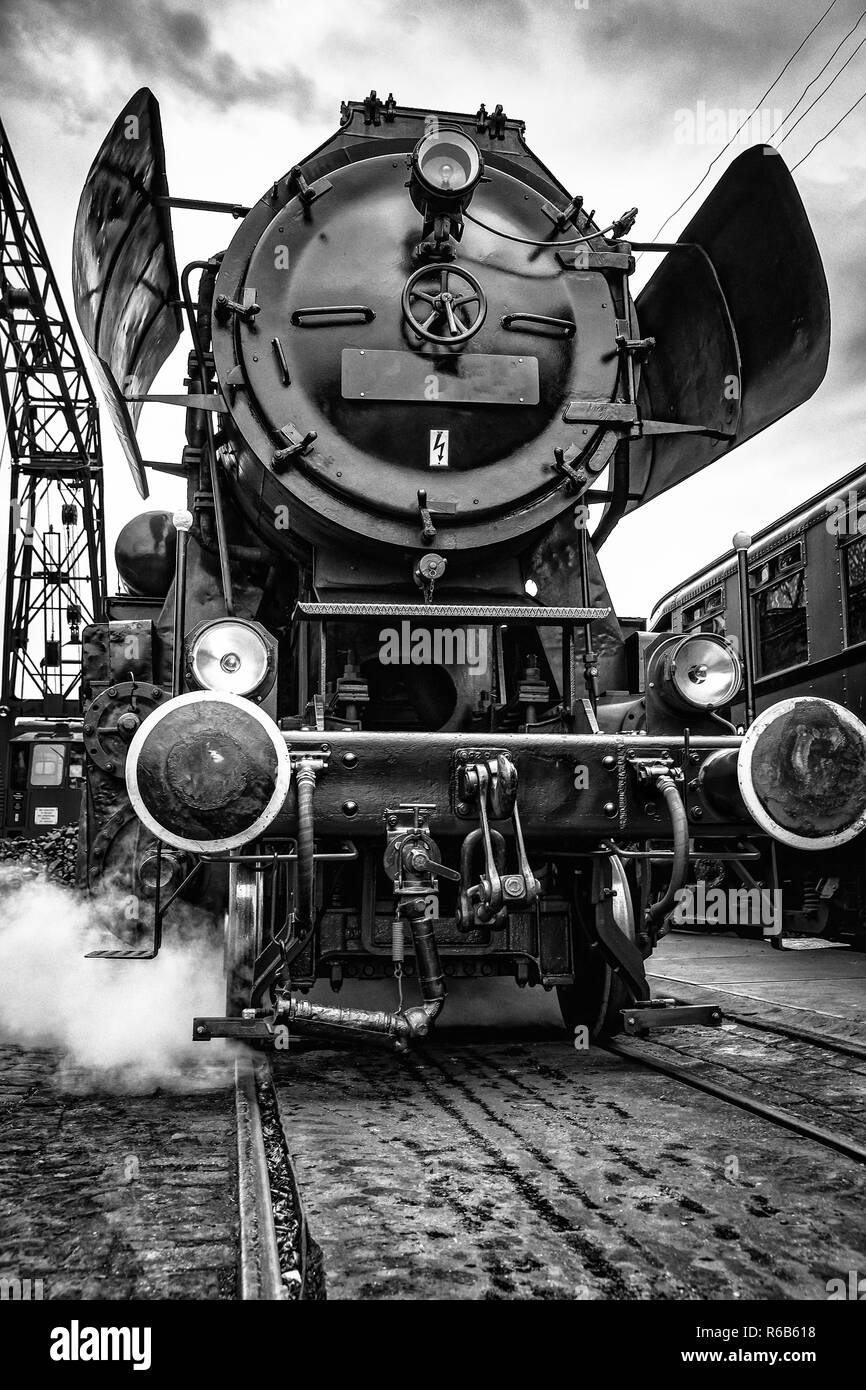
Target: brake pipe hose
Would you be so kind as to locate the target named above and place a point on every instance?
(305, 780)
(657, 912)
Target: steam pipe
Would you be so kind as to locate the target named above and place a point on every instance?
(657, 911)
(305, 780)
(182, 523)
(403, 1025)
(222, 541)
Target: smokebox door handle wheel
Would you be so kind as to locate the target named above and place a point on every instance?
(442, 305)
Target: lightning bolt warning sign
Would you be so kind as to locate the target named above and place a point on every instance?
(438, 448)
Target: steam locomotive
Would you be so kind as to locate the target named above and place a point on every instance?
(366, 696)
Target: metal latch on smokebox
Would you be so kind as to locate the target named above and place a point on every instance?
(485, 784)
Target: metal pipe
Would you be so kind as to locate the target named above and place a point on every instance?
(742, 544)
(662, 855)
(219, 518)
(182, 523)
(401, 1026)
(157, 909)
(305, 781)
(657, 911)
(590, 661)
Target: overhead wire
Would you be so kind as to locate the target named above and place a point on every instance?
(755, 108)
(792, 109)
(828, 133)
(824, 92)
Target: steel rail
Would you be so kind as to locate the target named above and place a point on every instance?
(782, 1118)
(789, 1030)
(260, 1274)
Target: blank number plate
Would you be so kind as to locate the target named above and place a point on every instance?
(470, 378)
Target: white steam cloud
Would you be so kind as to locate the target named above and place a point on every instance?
(121, 1025)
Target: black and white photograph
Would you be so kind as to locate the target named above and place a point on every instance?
(432, 675)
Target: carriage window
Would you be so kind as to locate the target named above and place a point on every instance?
(707, 614)
(780, 625)
(46, 769)
(855, 589)
(778, 564)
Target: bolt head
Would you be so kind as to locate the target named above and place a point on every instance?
(350, 760)
(609, 808)
(608, 760)
(513, 886)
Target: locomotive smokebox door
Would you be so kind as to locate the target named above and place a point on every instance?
(387, 361)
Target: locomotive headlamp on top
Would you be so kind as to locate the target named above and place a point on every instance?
(232, 656)
(446, 169)
(700, 672)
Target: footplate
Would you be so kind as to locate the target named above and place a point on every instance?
(130, 953)
(645, 1017)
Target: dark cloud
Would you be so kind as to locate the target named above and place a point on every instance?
(158, 44)
(189, 30)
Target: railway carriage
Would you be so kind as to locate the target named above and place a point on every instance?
(804, 635)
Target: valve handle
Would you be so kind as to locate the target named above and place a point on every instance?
(445, 307)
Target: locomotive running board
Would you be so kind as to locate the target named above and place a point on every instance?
(535, 614)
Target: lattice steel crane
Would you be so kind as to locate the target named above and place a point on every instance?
(55, 575)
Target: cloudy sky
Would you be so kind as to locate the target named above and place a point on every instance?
(248, 87)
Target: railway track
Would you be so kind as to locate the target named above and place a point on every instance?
(524, 1169)
(789, 1030)
(690, 1058)
(277, 1260)
(484, 1166)
(114, 1188)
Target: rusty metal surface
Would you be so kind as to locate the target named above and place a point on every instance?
(370, 771)
(809, 769)
(124, 276)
